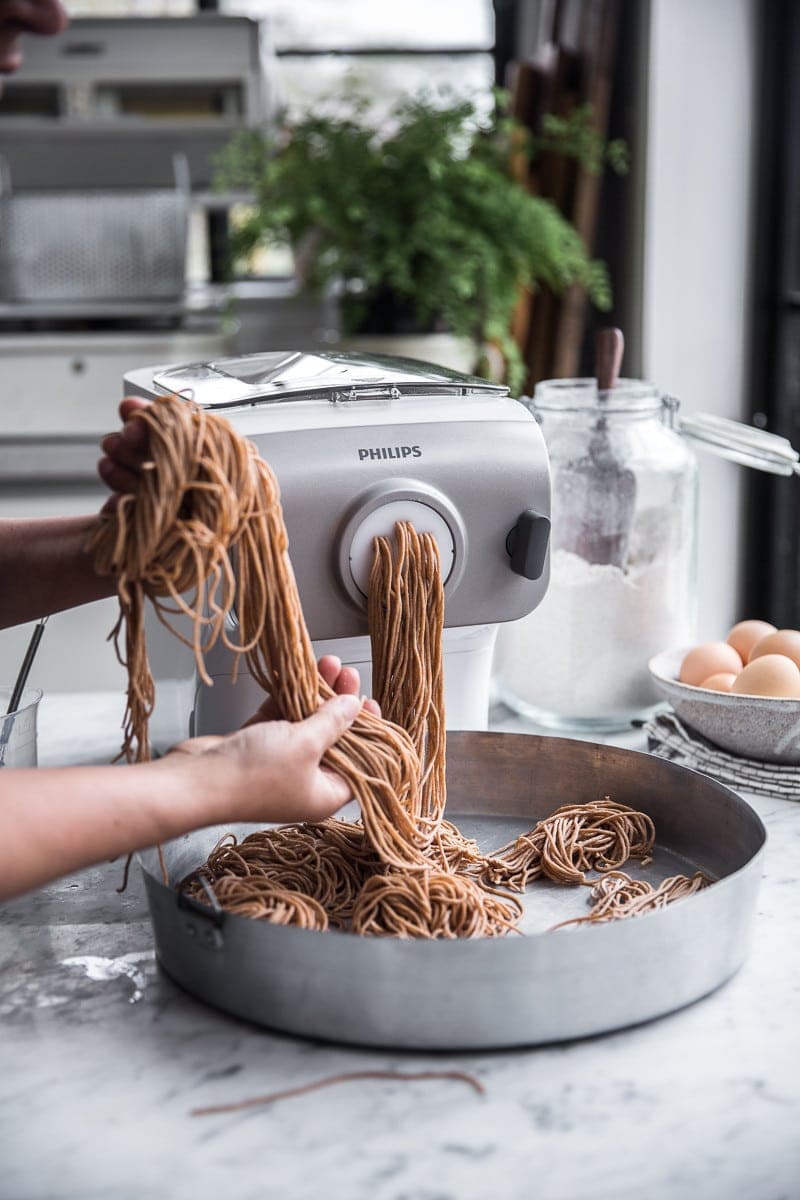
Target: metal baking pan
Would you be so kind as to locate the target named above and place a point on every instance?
(493, 992)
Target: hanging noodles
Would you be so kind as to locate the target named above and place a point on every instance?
(207, 499)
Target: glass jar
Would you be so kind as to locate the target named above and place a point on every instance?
(622, 558)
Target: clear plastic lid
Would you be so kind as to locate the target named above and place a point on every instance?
(289, 376)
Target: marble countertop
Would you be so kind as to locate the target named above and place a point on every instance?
(102, 1058)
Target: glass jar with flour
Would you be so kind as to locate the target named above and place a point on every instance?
(622, 566)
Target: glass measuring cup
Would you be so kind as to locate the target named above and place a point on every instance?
(18, 729)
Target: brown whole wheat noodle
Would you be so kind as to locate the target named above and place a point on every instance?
(615, 895)
(207, 499)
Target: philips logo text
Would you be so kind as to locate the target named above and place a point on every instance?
(389, 452)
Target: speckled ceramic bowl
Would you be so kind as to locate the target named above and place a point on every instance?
(757, 727)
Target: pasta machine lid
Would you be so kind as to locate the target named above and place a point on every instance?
(282, 376)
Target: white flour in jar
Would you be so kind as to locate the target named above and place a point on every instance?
(583, 652)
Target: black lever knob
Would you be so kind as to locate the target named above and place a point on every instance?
(526, 544)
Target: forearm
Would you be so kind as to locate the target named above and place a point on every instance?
(57, 820)
(46, 568)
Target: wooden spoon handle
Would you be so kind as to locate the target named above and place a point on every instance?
(609, 348)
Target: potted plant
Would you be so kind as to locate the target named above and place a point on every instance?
(420, 222)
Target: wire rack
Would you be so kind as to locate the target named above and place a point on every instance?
(93, 245)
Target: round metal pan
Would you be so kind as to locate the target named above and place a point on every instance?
(493, 992)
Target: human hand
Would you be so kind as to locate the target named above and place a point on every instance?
(345, 681)
(291, 785)
(124, 451)
(271, 770)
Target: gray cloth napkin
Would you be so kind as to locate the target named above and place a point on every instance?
(668, 738)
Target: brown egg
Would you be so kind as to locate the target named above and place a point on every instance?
(744, 636)
(712, 658)
(769, 675)
(721, 682)
(783, 641)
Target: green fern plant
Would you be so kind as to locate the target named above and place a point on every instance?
(424, 209)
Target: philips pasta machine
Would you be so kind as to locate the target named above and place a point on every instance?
(358, 443)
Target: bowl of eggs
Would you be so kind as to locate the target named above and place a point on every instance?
(742, 694)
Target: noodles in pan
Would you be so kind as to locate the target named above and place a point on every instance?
(206, 522)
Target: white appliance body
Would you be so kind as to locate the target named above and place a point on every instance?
(466, 663)
(357, 444)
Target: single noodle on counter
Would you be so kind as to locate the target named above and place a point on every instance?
(206, 500)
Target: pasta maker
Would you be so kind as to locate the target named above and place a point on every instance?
(358, 443)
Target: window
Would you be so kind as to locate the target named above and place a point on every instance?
(390, 50)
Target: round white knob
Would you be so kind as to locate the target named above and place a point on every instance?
(381, 522)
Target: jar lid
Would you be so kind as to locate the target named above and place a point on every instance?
(740, 443)
(573, 395)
